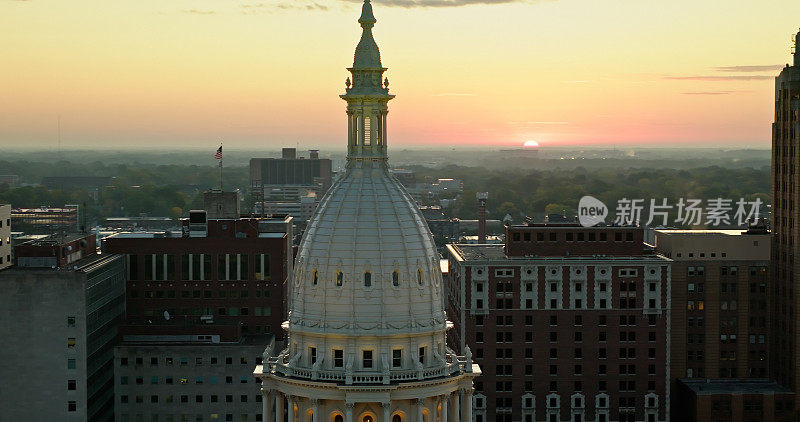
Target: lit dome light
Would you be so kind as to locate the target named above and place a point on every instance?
(530, 144)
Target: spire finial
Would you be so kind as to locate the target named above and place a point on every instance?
(367, 19)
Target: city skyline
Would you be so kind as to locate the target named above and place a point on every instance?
(497, 74)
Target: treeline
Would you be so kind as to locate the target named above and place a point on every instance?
(530, 193)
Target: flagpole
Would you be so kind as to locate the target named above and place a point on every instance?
(220, 169)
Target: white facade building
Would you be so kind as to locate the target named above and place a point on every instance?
(5, 236)
(366, 321)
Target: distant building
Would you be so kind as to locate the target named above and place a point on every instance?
(63, 323)
(406, 177)
(568, 323)
(46, 220)
(291, 170)
(289, 185)
(207, 376)
(5, 236)
(12, 180)
(785, 293)
(732, 400)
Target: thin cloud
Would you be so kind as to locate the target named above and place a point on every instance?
(745, 69)
(254, 8)
(716, 78)
(441, 3)
(198, 12)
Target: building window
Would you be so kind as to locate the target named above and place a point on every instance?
(395, 278)
(422, 355)
(338, 358)
(71, 342)
(72, 406)
(339, 279)
(316, 279)
(367, 279)
(71, 321)
(72, 385)
(397, 358)
(419, 277)
(70, 363)
(366, 358)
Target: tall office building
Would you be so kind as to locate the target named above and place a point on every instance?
(5, 236)
(785, 295)
(568, 324)
(366, 322)
(61, 306)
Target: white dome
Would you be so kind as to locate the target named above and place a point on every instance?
(368, 229)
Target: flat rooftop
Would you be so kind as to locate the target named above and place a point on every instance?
(497, 253)
(710, 387)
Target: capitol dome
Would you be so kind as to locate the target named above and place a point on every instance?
(366, 322)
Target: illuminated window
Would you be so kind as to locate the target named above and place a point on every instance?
(315, 277)
(339, 279)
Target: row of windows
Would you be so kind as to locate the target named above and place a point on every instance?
(571, 236)
(185, 417)
(161, 267)
(199, 294)
(222, 311)
(577, 320)
(367, 278)
(185, 398)
(508, 336)
(169, 361)
(624, 353)
(169, 380)
(367, 357)
(577, 386)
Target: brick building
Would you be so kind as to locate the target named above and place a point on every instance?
(216, 270)
(567, 323)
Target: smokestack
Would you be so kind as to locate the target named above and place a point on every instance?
(482, 197)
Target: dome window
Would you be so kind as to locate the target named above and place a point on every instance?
(397, 418)
(316, 279)
(367, 279)
(419, 277)
(395, 278)
(338, 418)
(339, 279)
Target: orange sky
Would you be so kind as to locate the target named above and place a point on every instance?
(268, 73)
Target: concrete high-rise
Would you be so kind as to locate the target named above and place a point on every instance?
(785, 292)
(60, 315)
(366, 326)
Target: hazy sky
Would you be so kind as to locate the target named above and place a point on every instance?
(173, 73)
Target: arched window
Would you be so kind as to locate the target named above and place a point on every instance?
(419, 277)
(395, 278)
(367, 279)
(339, 279)
(315, 277)
(367, 418)
(338, 418)
(397, 418)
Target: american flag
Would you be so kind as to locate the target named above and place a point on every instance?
(218, 155)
